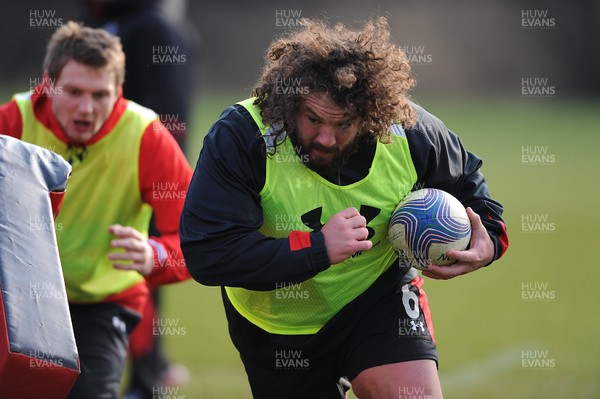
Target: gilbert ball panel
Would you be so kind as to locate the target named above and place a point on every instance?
(425, 225)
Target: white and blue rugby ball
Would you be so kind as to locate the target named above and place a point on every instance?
(425, 225)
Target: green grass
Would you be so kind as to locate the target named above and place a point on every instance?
(482, 324)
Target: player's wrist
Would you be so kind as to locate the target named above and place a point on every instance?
(318, 250)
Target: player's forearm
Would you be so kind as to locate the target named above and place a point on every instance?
(169, 263)
(442, 162)
(473, 192)
(253, 261)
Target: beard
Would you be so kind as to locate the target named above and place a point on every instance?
(335, 157)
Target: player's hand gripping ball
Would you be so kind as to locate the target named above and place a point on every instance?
(425, 225)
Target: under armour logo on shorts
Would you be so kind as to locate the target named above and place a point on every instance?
(119, 324)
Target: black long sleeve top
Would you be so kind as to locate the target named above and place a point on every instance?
(222, 213)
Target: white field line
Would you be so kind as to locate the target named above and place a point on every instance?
(487, 368)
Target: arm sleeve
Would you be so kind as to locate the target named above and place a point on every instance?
(222, 216)
(164, 178)
(11, 122)
(442, 162)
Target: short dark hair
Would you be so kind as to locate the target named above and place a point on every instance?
(92, 47)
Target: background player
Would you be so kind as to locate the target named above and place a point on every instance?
(125, 164)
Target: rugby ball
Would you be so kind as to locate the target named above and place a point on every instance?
(425, 225)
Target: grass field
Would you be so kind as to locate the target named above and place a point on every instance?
(528, 326)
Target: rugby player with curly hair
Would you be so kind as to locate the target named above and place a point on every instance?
(288, 211)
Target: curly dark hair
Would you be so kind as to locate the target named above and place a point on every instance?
(361, 70)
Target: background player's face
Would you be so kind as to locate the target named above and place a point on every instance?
(85, 100)
(325, 132)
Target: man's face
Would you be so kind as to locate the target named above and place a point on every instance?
(86, 99)
(325, 132)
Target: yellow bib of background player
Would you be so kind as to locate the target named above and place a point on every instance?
(293, 195)
(103, 189)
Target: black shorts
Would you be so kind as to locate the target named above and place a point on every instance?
(102, 335)
(388, 323)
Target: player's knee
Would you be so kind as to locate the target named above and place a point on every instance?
(366, 386)
(400, 380)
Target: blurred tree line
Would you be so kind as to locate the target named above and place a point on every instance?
(483, 48)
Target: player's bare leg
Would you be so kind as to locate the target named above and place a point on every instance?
(417, 378)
